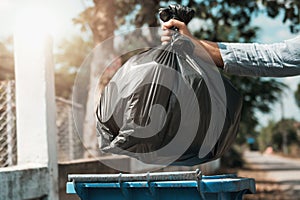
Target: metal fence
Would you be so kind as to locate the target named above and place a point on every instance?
(69, 144)
(69, 137)
(8, 139)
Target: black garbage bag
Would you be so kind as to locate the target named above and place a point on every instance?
(167, 106)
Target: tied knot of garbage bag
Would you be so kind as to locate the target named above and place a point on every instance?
(179, 12)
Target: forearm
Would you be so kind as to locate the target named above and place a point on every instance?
(273, 60)
(210, 48)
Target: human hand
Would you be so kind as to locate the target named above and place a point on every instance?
(167, 32)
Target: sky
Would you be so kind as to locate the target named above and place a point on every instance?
(63, 11)
(273, 30)
(59, 12)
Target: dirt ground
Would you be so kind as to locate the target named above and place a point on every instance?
(266, 188)
(276, 177)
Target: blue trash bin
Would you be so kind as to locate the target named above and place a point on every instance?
(167, 185)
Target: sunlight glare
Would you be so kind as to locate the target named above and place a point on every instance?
(34, 25)
(36, 20)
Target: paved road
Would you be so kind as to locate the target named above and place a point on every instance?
(279, 172)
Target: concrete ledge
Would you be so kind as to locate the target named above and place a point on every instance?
(24, 182)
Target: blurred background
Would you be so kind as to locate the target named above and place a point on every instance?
(268, 144)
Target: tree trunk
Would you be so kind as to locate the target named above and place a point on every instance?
(102, 25)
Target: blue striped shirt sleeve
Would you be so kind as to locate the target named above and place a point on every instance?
(268, 60)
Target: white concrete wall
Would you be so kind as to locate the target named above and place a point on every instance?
(24, 182)
(36, 127)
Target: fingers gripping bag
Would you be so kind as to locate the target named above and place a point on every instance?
(167, 105)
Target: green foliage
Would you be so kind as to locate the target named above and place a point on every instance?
(228, 20)
(274, 133)
(291, 11)
(135, 12)
(284, 128)
(74, 47)
(265, 136)
(72, 52)
(258, 95)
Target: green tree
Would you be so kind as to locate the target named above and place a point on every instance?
(258, 95)
(291, 11)
(70, 55)
(265, 138)
(280, 135)
(284, 135)
(101, 21)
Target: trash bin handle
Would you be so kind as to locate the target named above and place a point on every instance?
(149, 177)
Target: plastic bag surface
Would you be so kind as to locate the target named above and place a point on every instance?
(167, 106)
(158, 109)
